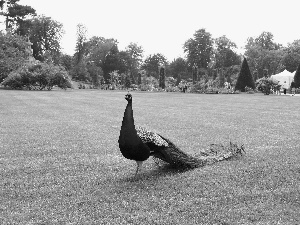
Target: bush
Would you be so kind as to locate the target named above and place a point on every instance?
(249, 90)
(266, 84)
(199, 87)
(14, 81)
(38, 76)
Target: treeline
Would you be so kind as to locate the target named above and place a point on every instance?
(99, 61)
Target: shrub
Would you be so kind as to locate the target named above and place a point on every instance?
(38, 76)
(265, 85)
(14, 80)
(249, 90)
(199, 87)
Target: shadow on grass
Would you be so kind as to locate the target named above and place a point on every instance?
(157, 172)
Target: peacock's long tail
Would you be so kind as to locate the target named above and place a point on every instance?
(179, 159)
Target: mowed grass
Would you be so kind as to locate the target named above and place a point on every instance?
(60, 162)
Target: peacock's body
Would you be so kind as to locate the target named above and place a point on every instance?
(137, 143)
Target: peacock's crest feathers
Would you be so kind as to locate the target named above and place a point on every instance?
(150, 137)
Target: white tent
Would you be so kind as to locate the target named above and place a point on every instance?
(285, 78)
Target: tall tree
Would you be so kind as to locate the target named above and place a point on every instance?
(297, 77)
(199, 49)
(178, 67)
(80, 70)
(152, 62)
(245, 78)
(95, 73)
(225, 54)
(265, 40)
(15, 14)
(111, 61)
(81, 43)
(66, 61)
(12, 53)
(291, 58)
(105, 54)
(264, 55)
(162, 77)
(45, 34)
(135, 59)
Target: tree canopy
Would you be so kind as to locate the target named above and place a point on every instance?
(199, 49)
(152, 62)
(15, 14)
(12, 53)
(264, 55)
(225, 55)
(45, 34)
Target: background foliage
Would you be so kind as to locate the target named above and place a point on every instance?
(97, 57)
(38, 77)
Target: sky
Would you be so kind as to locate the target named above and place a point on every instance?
(163, 26)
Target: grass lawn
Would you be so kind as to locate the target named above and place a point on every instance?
(60, 162)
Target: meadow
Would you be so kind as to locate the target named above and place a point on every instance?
(60, 162)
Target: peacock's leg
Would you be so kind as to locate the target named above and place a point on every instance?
(139, 167)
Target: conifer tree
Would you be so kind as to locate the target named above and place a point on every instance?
(162, 77)
(297, 78)
(245, 78)
(139, 79)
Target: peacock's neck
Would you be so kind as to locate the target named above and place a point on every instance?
(128, 121)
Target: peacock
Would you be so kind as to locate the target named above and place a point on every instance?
(137, 143)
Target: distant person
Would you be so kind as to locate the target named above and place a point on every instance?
(284, 87)
(278, 87)
(184, 88)
(293, 91)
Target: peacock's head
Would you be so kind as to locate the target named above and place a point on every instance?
(128, 97)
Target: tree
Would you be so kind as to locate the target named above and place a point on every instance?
(105, 54)
(151, 64)
(297, 78)
(162, 77)
(245, 78)
(45, 34)
(178, 67)
(66, 61)
(15, 14)
(81, 44)
(225, 55)
(127, 81)
(135, 59)
(139, 79)
(291, 58)
(199, 49)
(12, 53)
(80, 72)
(95, 73)
(178, 80)
(265, 40)
(264, 55)
(111, 61)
